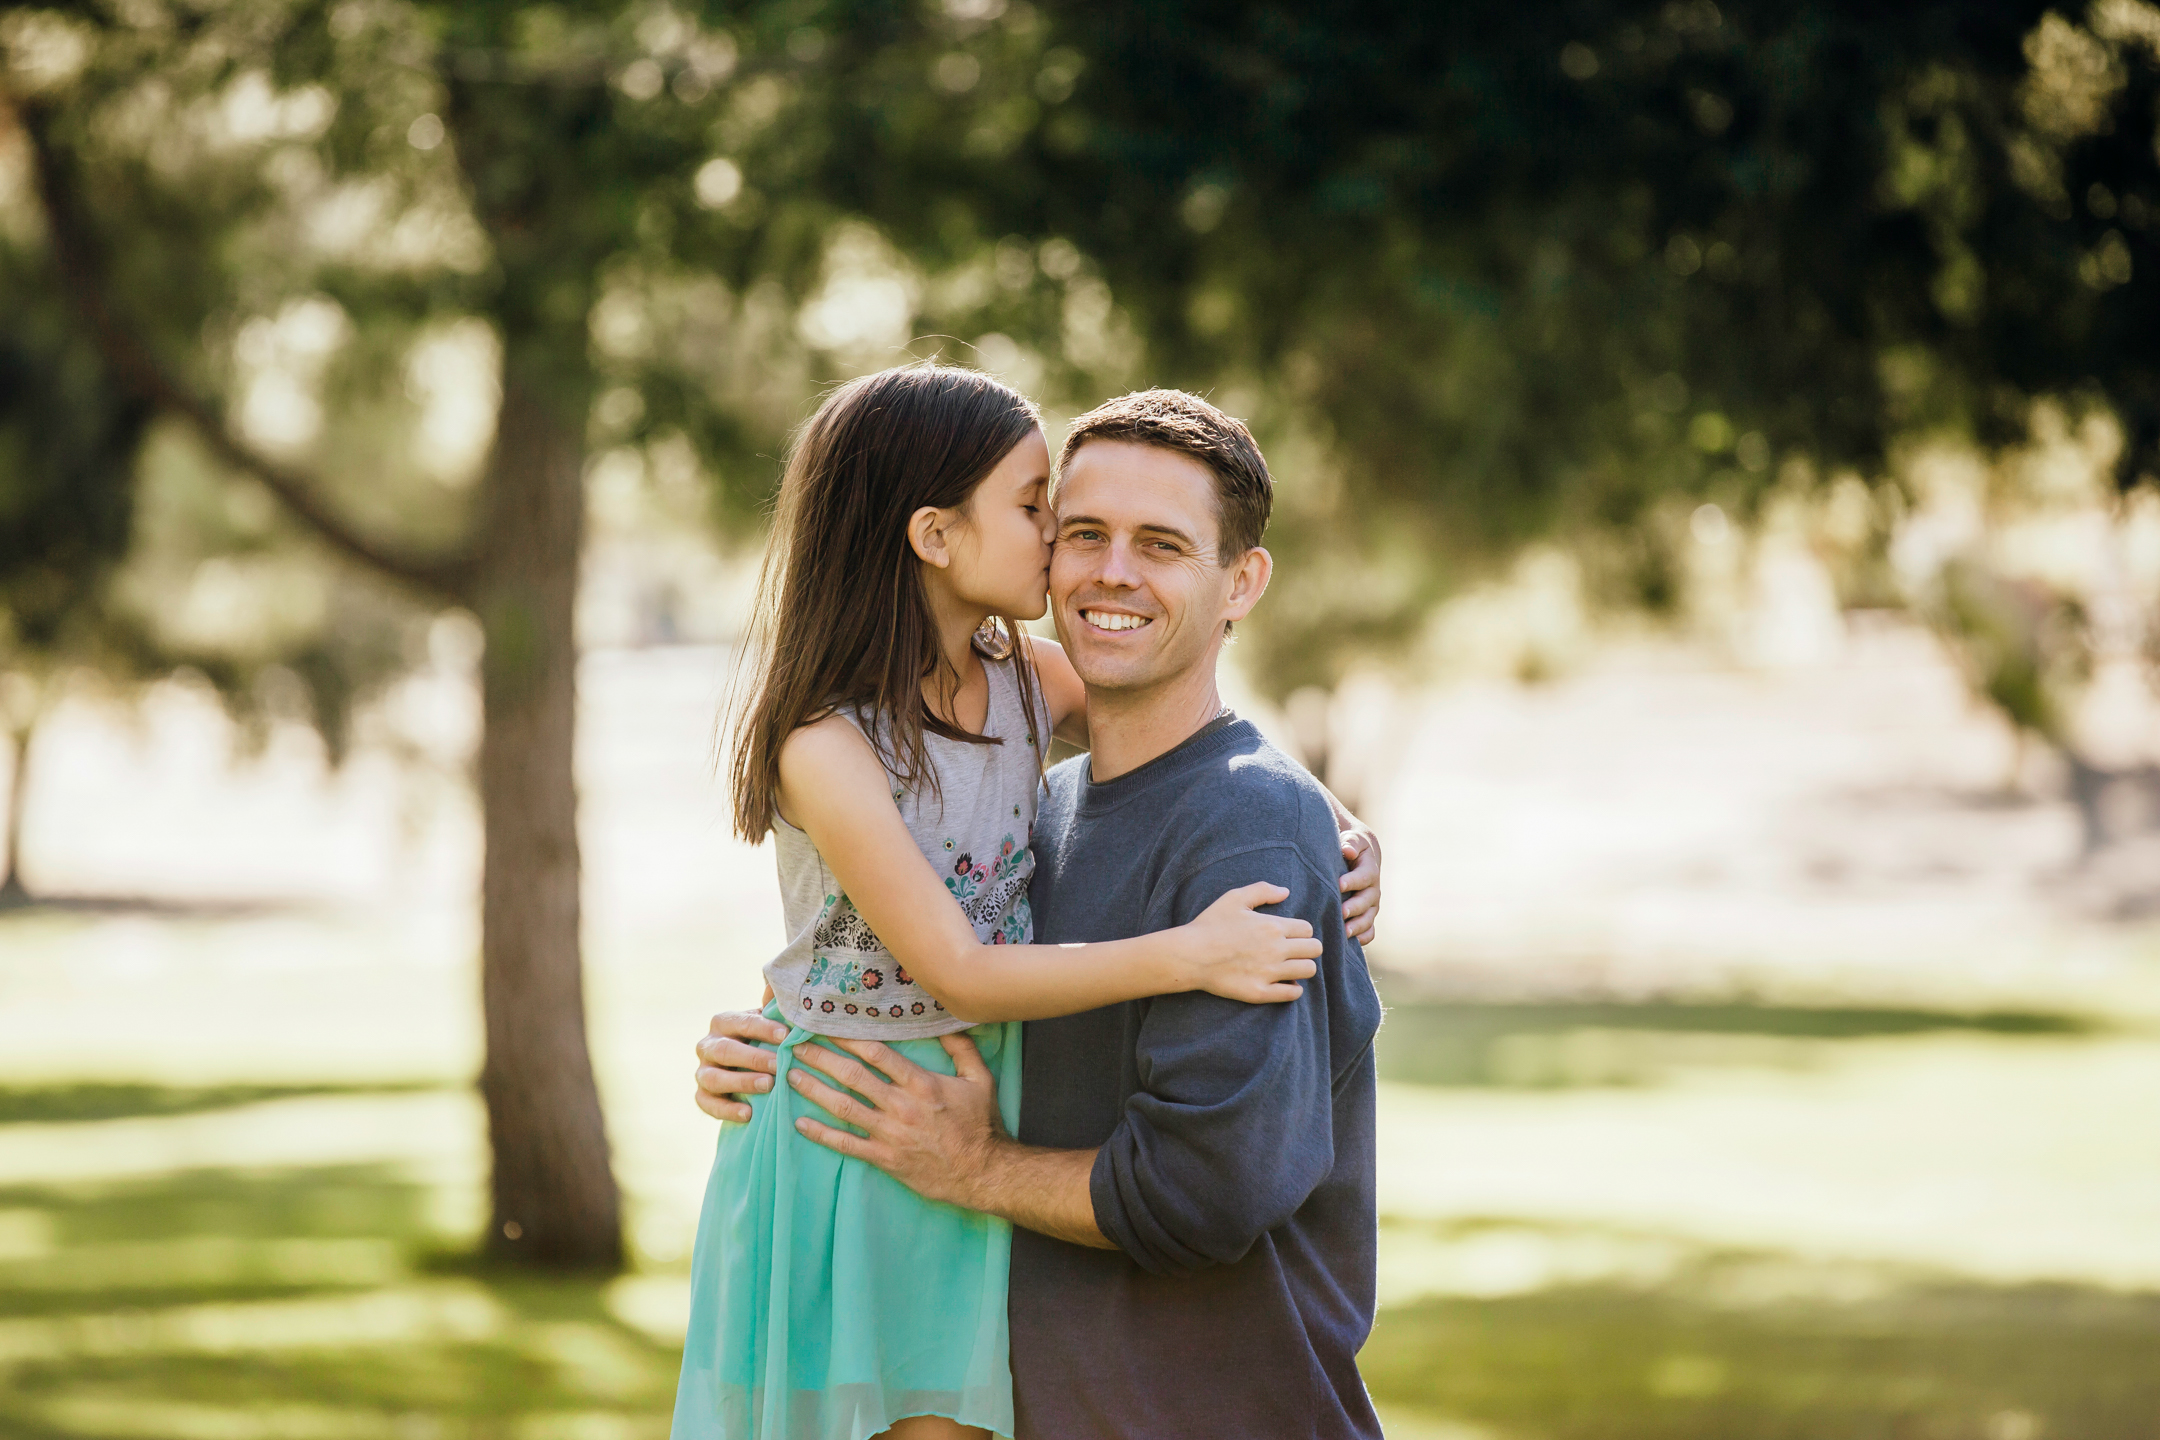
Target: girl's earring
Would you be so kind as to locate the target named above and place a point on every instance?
(992, 641)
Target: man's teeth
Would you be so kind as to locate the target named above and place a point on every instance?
(1105, 620)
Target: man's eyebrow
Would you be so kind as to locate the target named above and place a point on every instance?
(1146, 527)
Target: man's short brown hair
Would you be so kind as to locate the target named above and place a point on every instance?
(1177, 420)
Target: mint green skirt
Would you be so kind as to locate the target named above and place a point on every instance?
(827, 1300)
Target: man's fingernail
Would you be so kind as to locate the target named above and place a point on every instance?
(803, 1125)
(763, 1082)
(794, 1077)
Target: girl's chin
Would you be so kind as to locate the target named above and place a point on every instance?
(1020, 607)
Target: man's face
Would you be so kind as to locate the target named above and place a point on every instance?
(1136, 582)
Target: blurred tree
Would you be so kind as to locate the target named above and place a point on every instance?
(68, 440)
(1481, 273)
(303, 229)
(109, 538)
(1497, 272)
(163, 240)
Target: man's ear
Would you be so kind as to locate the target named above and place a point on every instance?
(928, 537)
(1248, 583)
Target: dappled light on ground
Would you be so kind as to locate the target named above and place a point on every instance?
(295, 1302)
(1711, 1220)
(326, 1301)
(1698, 1359)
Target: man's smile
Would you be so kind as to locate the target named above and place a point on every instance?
(1115, 620)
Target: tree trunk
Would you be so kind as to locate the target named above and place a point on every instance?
(555, 1202)
(2088, 790)
(12, 889)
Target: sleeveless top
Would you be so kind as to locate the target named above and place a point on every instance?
(835, 977)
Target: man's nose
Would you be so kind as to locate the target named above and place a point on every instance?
(1120, 567)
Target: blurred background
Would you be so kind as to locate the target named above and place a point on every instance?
(1717, 544)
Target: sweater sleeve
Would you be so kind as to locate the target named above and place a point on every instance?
(1231, 1128)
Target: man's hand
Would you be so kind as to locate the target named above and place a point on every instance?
(1361, 911)
(728, 1065)
(940, 1136)
(933, 1133)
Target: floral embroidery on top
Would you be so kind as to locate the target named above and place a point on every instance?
(842, 928)
(850, 960)
(985, 892)
(846, 977)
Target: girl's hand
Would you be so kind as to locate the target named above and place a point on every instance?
(1237, 953)
(1361, 885)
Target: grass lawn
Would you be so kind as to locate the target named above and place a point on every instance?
(1695, 1222)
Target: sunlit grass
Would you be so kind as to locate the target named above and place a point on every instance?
(1692, 1361)
(297, 1302)
(104, 1100)
(310, 1302)
(1657, 1221)
(1563, 1044)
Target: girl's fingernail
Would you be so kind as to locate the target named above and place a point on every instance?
(763, 1082)
(803, 1126)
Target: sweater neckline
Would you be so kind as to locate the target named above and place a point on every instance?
(1224, 732)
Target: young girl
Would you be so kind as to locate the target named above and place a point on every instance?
(892, 746)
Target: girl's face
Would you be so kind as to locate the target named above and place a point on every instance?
(1001, 555)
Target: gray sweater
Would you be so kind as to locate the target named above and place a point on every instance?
(1236, 1164)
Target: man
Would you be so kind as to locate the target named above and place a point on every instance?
(1192, 1185)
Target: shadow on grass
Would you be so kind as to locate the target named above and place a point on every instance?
(295, 1301)
(97, 1100)
(1944, 1362)
(314, 1302)
(1533, 1044)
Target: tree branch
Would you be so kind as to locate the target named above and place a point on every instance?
(77, 256)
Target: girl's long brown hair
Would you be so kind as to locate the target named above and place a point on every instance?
(842, 618)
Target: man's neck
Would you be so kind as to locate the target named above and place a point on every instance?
(1128, 728)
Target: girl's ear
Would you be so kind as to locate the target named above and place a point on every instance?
(927, 535)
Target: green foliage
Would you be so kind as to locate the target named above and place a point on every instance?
(1480, 274)
(1535, 270)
